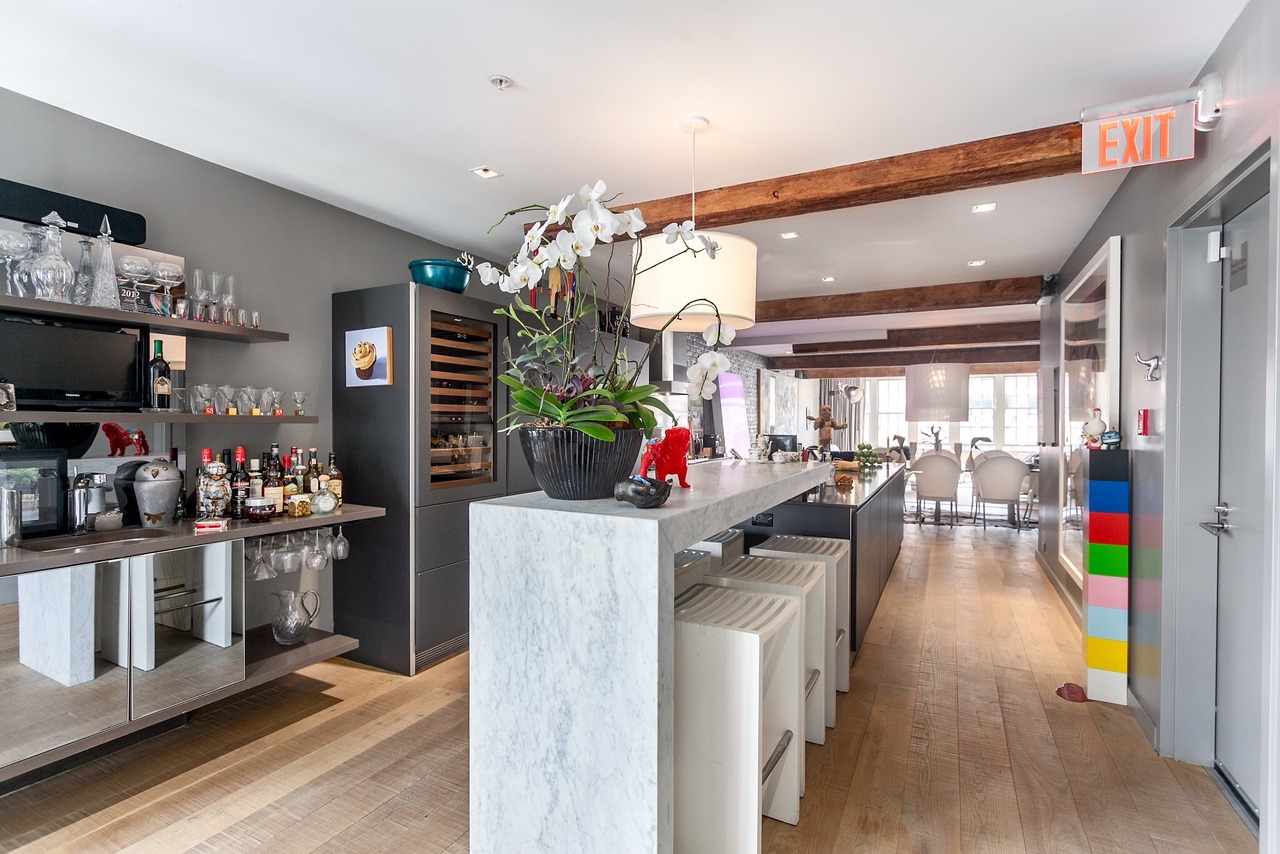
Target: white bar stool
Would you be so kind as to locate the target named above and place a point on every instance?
(738, 707)
(836, 554)
(691, 566)
(724, 546)
(807, 580)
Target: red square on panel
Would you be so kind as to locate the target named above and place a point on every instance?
(1109, 528)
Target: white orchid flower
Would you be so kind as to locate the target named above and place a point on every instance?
(557, 213)
(705, 389)
(715, 362)
(574, 244)
(533, 237)
(683, 231)
(564, 247)
(489, 274)
(718, 333)
(592, 194)
(709, 246)
(508, 284)
(696, 373)
(525, 275)
(597, 221)
(548, 254)
(630, 223)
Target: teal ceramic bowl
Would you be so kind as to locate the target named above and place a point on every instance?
(439, 273)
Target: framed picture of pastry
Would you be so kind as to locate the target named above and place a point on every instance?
(369, 356)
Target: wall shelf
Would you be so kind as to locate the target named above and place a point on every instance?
(170, 325)
(61, 417)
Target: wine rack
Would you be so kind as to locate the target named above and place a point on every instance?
(462, 388)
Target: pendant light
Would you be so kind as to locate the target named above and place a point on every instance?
(938, 391)
(665, 286)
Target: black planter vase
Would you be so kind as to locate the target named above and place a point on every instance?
(572, 466)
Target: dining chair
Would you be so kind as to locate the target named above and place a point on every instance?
(937, 480)
(998, 480)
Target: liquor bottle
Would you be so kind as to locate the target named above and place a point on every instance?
(335, 477)
(158, 380)
(287, 481)
(300, 473)
(239, 485)
(206, 457)
(255, 478)
(313, 471)
(273, 486)
(179, 512)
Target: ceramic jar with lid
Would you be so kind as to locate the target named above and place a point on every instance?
(156, 486)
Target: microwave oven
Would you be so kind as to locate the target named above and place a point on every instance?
(72, 364)
(41, 478)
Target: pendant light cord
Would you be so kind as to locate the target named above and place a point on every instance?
(693, 182)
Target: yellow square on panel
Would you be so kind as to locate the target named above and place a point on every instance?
(1104, 654)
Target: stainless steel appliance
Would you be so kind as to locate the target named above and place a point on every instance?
(41, 478)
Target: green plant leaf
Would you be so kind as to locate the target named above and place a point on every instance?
(596, 431)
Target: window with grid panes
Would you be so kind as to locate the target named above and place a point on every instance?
(1020, 410)
(891, 411)
(982, 411)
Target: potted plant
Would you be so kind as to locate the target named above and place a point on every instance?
(576, 398)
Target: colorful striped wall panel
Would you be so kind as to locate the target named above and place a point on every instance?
(1106, 575)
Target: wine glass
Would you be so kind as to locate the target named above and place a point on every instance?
(229, 300)
(215, 295)
(260, 569)
(200, 290)
(203, 397)
(318, 556)
(249, 400)
(168, 275)
(341, 546)
(12, 245)
(299, 398)
(290, 555)
(22, 283)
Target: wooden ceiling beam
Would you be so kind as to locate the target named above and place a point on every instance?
(1022, 290)
(1040, 153)
(892, 371)
(898, 358)
(939, 337)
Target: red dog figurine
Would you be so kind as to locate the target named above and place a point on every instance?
(120, 439)
(669, 455)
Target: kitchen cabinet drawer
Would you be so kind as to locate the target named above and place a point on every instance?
(443, 610)
(443, 530)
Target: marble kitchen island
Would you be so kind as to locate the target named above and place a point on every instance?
(572, 658)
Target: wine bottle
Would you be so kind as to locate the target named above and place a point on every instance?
(158, 378)
(335, 477)
(239, 485)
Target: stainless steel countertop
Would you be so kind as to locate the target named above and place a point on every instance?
(859, 492)
(180, 536)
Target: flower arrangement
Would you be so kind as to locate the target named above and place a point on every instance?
(569, 373)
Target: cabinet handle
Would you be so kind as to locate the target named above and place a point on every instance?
(185, 607)
(775, 757)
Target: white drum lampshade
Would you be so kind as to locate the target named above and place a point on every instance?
(728, 280)
(938, 391)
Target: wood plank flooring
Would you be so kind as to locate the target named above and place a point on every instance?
(950, 740)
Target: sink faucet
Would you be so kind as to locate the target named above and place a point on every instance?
(78, 504)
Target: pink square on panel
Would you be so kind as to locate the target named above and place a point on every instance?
(1106, 591)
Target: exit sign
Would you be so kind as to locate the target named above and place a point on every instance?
(1138, 139)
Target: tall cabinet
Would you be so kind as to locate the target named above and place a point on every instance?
(420, 437)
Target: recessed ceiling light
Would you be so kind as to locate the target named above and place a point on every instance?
(828, 278)
(977, 263)
(486, 172)
(789, 235)
(985, 207)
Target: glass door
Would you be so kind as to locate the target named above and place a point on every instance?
(462, 402)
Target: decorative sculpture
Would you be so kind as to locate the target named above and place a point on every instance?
(120, 439)
(825, 424)
(644, 492)
(670, 456)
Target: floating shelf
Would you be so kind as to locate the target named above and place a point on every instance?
(174, 325)
(61, 417)
(265, 659)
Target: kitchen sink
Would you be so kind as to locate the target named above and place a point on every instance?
(76, 542)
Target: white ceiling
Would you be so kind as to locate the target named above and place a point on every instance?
(382, 108)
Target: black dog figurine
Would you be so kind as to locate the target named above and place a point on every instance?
(644, 492)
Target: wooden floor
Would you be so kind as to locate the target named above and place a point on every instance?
(951, 739)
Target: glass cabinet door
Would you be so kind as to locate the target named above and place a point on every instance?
(462, 404)
(62, 674)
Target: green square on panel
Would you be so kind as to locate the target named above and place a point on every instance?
(1104, 559)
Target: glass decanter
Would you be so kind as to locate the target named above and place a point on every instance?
(84, 274)
(105, 293)
(50, 272)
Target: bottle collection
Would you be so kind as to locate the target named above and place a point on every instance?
(270, 486)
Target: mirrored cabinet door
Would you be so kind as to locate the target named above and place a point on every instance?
(187, 614)
(61, 675)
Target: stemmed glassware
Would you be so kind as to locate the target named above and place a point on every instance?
(229, 300)
(249, 397)
(200, 290)
(12, 245)
(299, 398)
(22, 271)
(340, 547)
(203, 398)
(226, 399)
(215, 296)
(260, 569)
(168, 275)
(318, 555)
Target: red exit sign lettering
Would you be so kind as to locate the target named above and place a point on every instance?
(1138, 139)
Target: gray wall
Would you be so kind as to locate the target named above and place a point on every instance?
(1149, 201)
(288, 252)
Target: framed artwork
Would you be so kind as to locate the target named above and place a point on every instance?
(369, 356)
(778, 399)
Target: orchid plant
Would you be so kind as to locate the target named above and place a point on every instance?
(568, 373)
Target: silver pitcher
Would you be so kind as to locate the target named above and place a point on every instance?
(10, 518)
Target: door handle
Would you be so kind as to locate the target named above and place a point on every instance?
(1215, 528)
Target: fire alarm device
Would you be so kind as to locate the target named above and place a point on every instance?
(1144, 422)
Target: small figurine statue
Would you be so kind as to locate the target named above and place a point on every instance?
(670, 456)
(825, 424)
(215, 490)
(119, 439)
(644, 492)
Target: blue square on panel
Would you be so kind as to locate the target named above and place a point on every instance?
(1107, 496)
